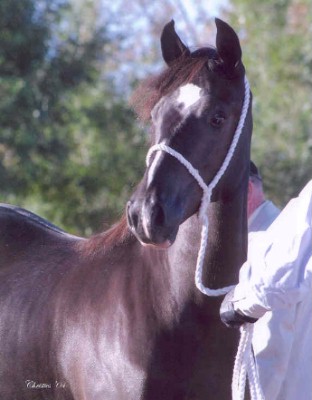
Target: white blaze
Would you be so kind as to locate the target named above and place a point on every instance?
(188, 95)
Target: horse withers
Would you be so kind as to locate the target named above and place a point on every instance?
(117, 316)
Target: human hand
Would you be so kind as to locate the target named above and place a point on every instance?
(229, 316)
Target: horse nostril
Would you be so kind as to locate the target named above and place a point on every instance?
(158, 215)
(132, 216)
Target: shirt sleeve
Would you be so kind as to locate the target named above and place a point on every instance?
(279, 266)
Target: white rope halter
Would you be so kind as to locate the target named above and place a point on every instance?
(242, 364)
(207, 191)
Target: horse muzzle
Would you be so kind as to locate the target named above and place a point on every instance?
(153, 222)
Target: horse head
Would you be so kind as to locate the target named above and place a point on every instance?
(195, 106)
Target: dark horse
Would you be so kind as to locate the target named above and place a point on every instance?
(107, 318)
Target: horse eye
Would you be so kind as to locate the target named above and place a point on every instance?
(217, 120)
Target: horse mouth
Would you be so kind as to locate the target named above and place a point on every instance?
(161, 246)
(148, 233)
(158, 241)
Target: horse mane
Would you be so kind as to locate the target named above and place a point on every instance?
(106, 241)
(182, 71)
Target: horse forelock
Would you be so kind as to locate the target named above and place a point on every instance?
(183, 71)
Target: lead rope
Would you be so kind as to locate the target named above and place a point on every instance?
(244, 362)
(244, 366)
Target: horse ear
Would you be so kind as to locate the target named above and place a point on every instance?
(172, 46)
(228, 46)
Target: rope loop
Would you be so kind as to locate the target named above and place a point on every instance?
(245, 366)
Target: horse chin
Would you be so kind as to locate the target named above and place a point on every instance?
(161, 242)
(150, 227)
(160, 246)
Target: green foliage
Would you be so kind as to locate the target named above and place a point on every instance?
(69, 147)
(278, 57)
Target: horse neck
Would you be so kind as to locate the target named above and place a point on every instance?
(227, 241)
(226, 249)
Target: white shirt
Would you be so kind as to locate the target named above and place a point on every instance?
(263, 216)
(277, 277)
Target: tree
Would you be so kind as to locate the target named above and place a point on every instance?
(65, 135)
(278, 57)
(70, 148)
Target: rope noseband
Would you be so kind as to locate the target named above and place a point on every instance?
(244, 363)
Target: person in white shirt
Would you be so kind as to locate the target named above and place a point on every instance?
(260, 211)
(275, 289)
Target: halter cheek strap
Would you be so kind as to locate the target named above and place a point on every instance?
(207, 191)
